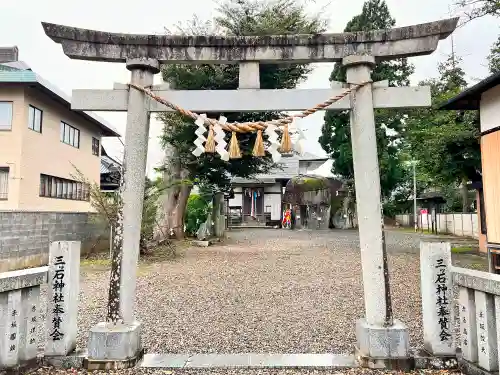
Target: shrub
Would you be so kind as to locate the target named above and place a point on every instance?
(106, 205)
(197, 211)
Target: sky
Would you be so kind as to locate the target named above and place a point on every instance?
(20, 25)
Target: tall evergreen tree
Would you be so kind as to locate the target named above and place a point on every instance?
(446, 142)
(336, 132)
(494, 57)
(182, 168)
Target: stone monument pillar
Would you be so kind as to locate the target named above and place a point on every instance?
(437, 293)
(219, 215)
(380, 338)
(121, 343)
(63, 296)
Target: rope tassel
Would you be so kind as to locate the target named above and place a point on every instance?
(210, 143)
(258, 147)
(234, 147)
(286, 143)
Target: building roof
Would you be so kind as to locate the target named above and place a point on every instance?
(108, 164)
(310, 157)
(18, 72)
(324, 170)
(469, 99)
(256, 180)
(288, 168)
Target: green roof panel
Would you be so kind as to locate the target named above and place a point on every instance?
(17, 76)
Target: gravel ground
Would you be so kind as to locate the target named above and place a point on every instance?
(262, 291)
(49, 371)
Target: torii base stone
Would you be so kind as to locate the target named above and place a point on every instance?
(113, 347)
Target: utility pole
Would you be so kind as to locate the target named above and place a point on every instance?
(452, 44)
(413, 163)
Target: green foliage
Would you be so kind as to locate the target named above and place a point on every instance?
(446, 142)
(494, 58)
(392, 208)
(304, 184)
(196, 213)
(236, 17)
(451, 193)
(106, 205)
(335, 205)
(336, 132)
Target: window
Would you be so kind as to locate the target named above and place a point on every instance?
(62, 188)
(95, 146)
(4, 183)
(35, 119)
(70, 135)
(5, 115)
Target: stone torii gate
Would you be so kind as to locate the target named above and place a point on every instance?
(381, 339)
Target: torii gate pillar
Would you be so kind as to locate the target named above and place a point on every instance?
(136, 151)
(120, 344)
(378, 335)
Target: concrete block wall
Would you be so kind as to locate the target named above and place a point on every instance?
(25, 236)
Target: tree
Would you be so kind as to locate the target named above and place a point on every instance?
(494, 57)
(106, 206)
(336, 132)
(479, 8)
(196, 213)
(446, 142)
(182, 169)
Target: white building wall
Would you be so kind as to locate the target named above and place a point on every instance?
(276, 188)
(238, 197)
(272, 197)
(461, 224)
(307, 166)
(490, 109)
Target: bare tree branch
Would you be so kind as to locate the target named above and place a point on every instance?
(474, 9)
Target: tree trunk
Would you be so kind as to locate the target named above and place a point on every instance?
(167, 199)
(465, 195)
(346, 212)
(180, 206)
(349, 206)
(174, 198)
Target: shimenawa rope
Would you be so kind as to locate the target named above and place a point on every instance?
(245, 127)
